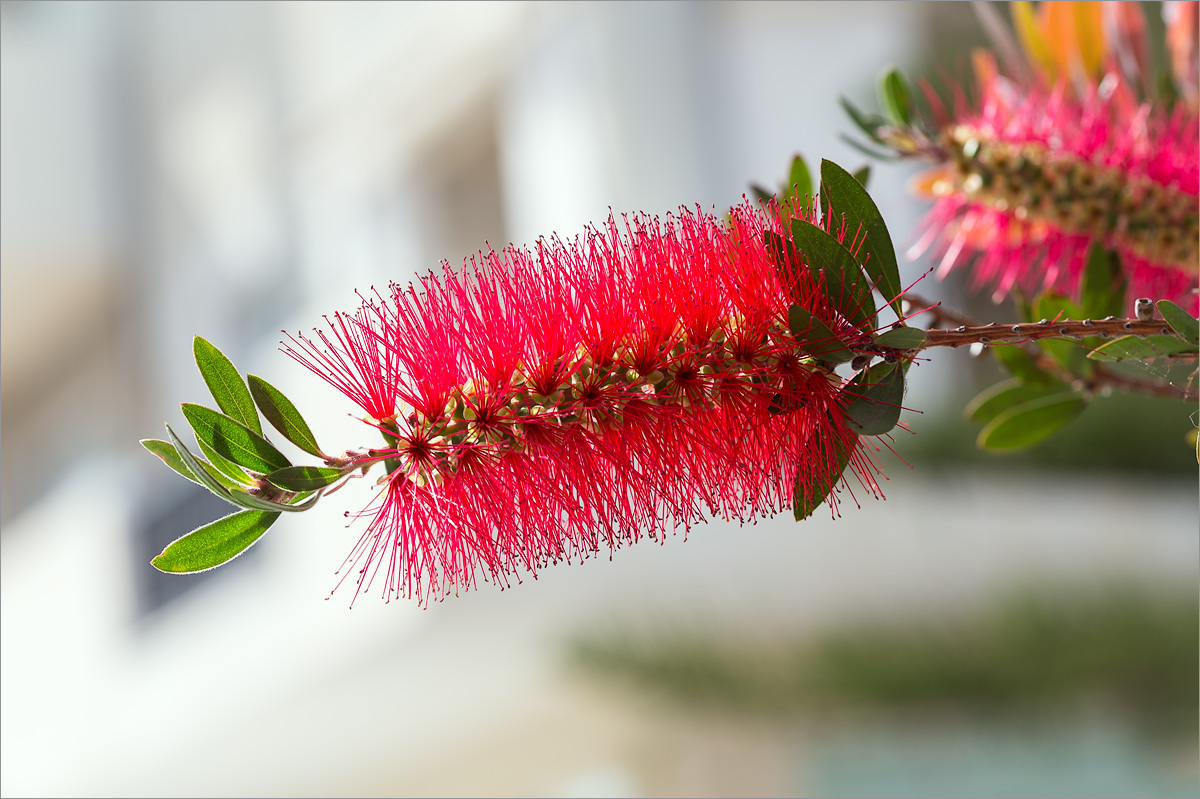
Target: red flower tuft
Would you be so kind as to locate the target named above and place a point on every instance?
(1033, 175)
(542, 405)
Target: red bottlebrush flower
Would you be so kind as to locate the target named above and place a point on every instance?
(543, 404)
(1033, 175)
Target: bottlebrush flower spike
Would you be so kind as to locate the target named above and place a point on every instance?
(544, 404)
(1032, 175)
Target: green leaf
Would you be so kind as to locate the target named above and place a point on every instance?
(877, 395)
(867, 123)
(1140, 349)
(305, 478)
(815, 338)
(247, 500)
(902, 338)
(760, 194)
(1023, 366)
(208, 477)
(786, 262)
(862, 175)
(1102, 287)
(283, 416)
(226, 472)
(877, 253)
(225, 384)
(1031, 422)
(233, 440)
(991, 402)
(862, 148)
(895, 97)
(806, 498)
(1182, 322)
(1068, 353)
(845, 283)
(214, 544)
(167, 453)
(799, 179)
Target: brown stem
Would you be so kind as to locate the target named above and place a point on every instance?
(968, 331)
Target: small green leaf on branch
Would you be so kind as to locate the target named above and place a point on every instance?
(1182, 322)
(305, 478)
(901, 338)
(993, 401)
(283, 416)
(1102, 287)
(1031, 422)
(1141, 349)
(815, 338)
(167, 453)
(846, 285)
(1021, 365)
(877, 397)
(896, 97)
(225, 384)
(214, 544)
(806, 498)
(233, 440)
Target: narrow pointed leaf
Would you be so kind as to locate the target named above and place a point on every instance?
(197, 467)
(247, 500)
(167, 453)
(283, 416)
(877, 254)
(877, 395)
(992, 402)
(815, 338)
(807, 498)
(1021, 365)
(1182, 322)
(1068, 353)
(902, 338)
(868, 151)
(867, 123)
(1140, 349)
(225, 384)
(800, 182)
(863, 174)
(214, 544)
(1102, 287)
(230, 474)
(895, 97)
(1031, 422)
(233, 440)
(305, 478)
(844, 280)
(759, 193)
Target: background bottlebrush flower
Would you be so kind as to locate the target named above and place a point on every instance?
(541, 405)
(1033, 174)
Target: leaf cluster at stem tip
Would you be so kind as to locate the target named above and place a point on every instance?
(242, 466)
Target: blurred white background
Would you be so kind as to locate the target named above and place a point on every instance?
(230, 169)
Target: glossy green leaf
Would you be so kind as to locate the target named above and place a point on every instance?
(867, 123)
(225, 384)
(800, 182)
(876, 254)
(206, 476)
(283, 416)
(226, 472)
(305, 478)
(1068, 353)
(1020, 364)
(814, 336)
(1182, 322)
(896, 97)
(845, 283)
(233, 440)
(1140, 349)
(862, 175)
(255, 502)
(167, 453)
(214, 544)
(786, 262)
(1102, 287)
(993, 401)
(1031, 422)
(902, 338)
(806, 498)
(878, 394)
